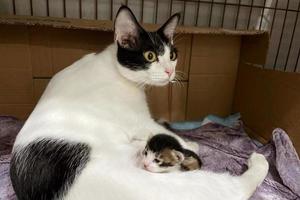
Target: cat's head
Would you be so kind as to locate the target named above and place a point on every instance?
(162, 153)
(166, 160)
(145, 57)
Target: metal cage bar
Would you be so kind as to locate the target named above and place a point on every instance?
(237, 15)
(142, 11)
(80, 9)
(273, 18)
(250, 13)
(96, 9)
(223, 15)
(292, 38)
(65, 8)
(14, 7)
(47, 8)
(262, 15)
(296, 64)
(281, 34)
(210, 12)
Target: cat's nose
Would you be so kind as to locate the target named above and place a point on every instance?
(169, 71)
(145, 166)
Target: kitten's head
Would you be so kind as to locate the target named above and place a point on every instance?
(166, 160)
(163, 153)
(145, 57)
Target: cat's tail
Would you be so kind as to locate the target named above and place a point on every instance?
(257, 171)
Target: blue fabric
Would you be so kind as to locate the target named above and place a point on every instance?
(229, 121)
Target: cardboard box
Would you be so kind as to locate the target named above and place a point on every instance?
(221, 72)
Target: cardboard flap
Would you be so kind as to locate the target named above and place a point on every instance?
(269, 99)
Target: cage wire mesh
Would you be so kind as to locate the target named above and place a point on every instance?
(279, 17)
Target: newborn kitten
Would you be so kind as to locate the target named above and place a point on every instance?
(163, 153)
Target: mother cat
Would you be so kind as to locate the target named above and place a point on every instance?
(76, 145)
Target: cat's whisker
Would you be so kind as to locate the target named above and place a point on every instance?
(180, 82)
(180, 72)
(180, 77)
(177, 82)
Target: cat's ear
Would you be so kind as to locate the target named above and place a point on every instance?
(179, 155)
(127, 28)
(168, 29)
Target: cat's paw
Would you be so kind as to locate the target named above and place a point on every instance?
(259, 162)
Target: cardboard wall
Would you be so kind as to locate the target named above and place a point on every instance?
(214, 64)
(267, 100)
(30, 56)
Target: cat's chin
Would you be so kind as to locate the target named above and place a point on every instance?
(159, 83)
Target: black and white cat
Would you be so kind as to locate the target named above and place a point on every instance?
(77, 143)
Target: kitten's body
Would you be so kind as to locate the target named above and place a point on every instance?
(77, 143)
(163, 153)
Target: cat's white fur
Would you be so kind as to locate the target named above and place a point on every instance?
(91, 102)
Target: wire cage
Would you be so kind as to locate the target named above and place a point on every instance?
(279, 17)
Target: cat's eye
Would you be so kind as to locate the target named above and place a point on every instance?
(145, 153)
(150, 56)
(156, 160)
(173, 55)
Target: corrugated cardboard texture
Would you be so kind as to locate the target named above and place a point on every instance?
(269, 99)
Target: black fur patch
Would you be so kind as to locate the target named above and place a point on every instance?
(162, 141)
(189, 153)
(44, 170)
(166, 165)
(133, 58)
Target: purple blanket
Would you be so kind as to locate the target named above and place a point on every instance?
(221, 149)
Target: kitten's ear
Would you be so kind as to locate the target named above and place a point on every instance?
(127, 28)
(168, 29)
(179, 156)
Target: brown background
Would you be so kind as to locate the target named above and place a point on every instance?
(219, 77)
